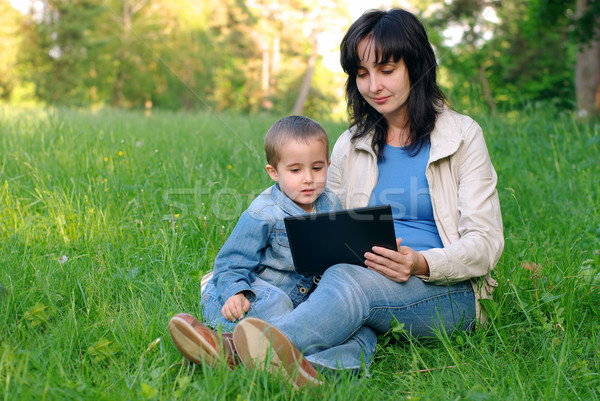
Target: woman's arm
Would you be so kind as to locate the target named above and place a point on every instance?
(476, 227)
(476, 238)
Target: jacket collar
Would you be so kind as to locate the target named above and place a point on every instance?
(291, 208)
(285, 203)
(364, 143)
(444, 138)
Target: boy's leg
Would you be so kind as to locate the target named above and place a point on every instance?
(198, 343)
(211, 310)
(270, 304)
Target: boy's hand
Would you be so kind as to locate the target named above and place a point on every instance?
(235, 307)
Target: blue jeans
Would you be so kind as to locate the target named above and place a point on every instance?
(270, 304)
(337, 326)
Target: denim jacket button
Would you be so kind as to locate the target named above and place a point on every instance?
(303, 290)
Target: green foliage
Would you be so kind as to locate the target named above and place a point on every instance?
(251, 56)
(175, 55)
(108, 220)
(66, 44)
(560, 13)
(523, 60)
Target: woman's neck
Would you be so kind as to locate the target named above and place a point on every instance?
(398, 133)
(398, 136)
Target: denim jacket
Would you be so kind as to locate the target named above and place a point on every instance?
(258, 246)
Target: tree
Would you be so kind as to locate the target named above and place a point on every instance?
(550, 52)
(471, 15)
(247, 55)
(86, 51)
(56, 48)
(134, 35)
(320, 14)
(11, 23)
(192, 56)
(581, 20)
(306, 81)
(501, 59)
(587, 72)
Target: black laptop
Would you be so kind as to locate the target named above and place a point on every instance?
(321, 240)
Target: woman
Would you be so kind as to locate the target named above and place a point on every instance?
(404, 148)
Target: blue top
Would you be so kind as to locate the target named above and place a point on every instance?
(259, 246)
(403, 185)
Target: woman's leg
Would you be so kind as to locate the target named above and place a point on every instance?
(271, 304)
(354, 354)
(349, 297)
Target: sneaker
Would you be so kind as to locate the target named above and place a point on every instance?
(261, 345)
(199, 344)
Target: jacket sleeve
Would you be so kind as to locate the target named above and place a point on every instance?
(479, 241)
(240, 256)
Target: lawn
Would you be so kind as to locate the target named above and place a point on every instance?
(108, 220)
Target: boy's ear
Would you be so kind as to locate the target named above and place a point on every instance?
(272, 172)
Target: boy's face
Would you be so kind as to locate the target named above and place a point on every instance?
(301, 171)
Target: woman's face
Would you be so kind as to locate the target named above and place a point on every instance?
(384, 86)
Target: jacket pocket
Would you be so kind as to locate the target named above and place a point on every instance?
(280, 238)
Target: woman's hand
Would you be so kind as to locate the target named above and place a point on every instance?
(396, 265)
(235, 307)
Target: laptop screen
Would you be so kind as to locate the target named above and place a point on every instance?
(320, 240)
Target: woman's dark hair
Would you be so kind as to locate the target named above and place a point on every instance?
(395, 35)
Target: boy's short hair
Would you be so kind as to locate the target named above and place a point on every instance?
(299, 128)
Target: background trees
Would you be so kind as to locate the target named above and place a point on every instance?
(263, 55)
(516, 52)
(11, 23)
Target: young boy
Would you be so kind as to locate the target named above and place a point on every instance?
(254, 273)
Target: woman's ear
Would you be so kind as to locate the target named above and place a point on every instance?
(272, 172)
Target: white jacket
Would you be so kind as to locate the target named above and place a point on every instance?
(462, 186)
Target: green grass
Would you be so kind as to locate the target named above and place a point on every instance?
(108, 220)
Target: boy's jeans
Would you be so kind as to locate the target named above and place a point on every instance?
(271, 304)
(337, 326)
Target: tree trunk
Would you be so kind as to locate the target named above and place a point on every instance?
(276, 57)
(266, 79)
(587, 79)
(118, 89)
(486, 90)
(587, 72)
(305, 88)
(122, 53)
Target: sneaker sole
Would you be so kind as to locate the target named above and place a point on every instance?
(257, 342)
(192, 345)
